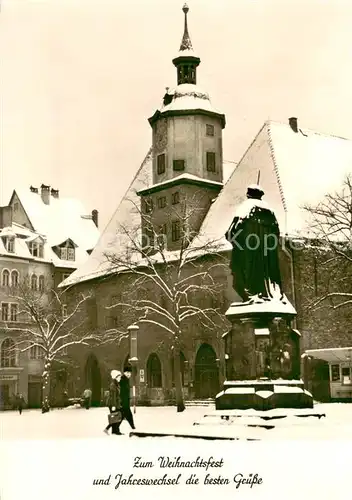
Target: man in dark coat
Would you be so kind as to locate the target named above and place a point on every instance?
(125, 395)
(254, 235)
(114, 401)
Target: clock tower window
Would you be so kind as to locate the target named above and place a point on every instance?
(161, 164)
(210, 161)
(179, 165)
(210, 130)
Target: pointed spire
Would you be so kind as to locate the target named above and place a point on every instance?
(186, 43)
(186, 61)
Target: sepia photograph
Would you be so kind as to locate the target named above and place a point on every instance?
(175, 248)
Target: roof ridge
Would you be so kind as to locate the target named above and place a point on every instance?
(147, 157)
(312, 131)
(276, 169)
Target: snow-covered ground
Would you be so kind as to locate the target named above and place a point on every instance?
(59, 454)
(78, 423)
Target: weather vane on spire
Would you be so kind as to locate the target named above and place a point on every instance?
(186, 43)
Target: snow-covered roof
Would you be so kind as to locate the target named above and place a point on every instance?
(332, 355)
(183, 177)
(188, 96)
(55, 223)
(295, 169)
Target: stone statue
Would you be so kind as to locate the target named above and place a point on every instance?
(254, 235)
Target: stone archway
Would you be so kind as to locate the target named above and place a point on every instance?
(206, 383)
(93, 378)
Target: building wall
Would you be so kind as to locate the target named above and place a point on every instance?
(26, 371)
(321, 326)
(152, 339)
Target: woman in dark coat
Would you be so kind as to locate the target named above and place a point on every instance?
(114, 402)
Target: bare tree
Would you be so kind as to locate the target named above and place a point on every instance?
(173, 282)
(331, 228)
(51, 323)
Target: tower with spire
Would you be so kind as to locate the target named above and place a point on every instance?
(186, 143)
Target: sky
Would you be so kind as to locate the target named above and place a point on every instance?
(80, 78)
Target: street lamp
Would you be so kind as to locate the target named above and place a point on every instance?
(133, 337)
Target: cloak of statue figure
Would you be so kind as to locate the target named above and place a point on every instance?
(254, 235)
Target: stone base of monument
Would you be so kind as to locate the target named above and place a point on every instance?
(263, 395)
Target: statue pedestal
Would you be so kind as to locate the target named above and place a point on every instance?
(262, 358)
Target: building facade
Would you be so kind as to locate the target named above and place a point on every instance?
(42, 240)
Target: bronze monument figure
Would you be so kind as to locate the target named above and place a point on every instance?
(254, 235)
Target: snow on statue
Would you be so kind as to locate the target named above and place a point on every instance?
(254, 235)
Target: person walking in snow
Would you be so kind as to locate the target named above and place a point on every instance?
(87, 396)
(20, 403)
(114, 403)
(125, 396)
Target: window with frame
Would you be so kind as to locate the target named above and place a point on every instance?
(149, 233)
(70, 253)
(209, 130)
(210, 161)
(13, 312)
(346, 375)
(335, 373)
(175, 230)
(64, 310)
(5, 278)
(36, 352)
(8, 353)
(162, 235)
(36, 249)
(41, 283)
(175, 198)
(9, 243)
(162, 202)
(4, 311)
(64, 276)
(148, 205)
(179, 165)
(161, 164)
(14, 278)
(34, 282)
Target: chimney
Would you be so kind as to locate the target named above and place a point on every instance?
(293, 124)
(45, 194)
(33, 189)
(95, 215)
(55, 193)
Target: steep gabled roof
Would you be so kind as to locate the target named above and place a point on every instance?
(295, 169)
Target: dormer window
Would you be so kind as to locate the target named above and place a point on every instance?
(36, 248)
(9, 243)
(66, 251)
